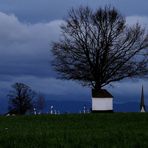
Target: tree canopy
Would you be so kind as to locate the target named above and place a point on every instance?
(20, 98)
(99, 47)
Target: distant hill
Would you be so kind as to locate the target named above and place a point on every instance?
(127, 107)
(66, 106)
(77, 106)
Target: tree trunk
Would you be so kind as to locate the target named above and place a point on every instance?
(97, 87)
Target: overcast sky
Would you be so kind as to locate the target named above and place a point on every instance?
(27, 28)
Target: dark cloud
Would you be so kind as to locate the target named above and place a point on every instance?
(25, 48)
(45, 10)
(25, 55)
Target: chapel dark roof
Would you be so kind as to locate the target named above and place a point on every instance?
(103, 93)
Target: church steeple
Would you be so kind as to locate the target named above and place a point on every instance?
(142, 106)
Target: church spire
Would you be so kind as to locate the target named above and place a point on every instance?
(142, 106)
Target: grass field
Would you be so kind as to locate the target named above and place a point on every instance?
(117, 130)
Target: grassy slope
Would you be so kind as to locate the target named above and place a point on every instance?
(91, 130)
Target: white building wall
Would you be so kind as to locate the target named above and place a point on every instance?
(102, 104)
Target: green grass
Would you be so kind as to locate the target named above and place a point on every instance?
(108, 130)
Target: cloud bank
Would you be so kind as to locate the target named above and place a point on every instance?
(25, 57)
(25, 48)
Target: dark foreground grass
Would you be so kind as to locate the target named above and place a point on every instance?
(117, 130)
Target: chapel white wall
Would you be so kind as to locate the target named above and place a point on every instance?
(102, 104)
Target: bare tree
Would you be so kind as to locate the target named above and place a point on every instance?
(40, 102)
(99, 47)
(20, 98)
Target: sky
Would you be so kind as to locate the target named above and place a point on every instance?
(27, 28)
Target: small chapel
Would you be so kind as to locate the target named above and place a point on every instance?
(102, 101)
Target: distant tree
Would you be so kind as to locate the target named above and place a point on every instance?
(20, 98)
(99, 47)
(40, 102)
